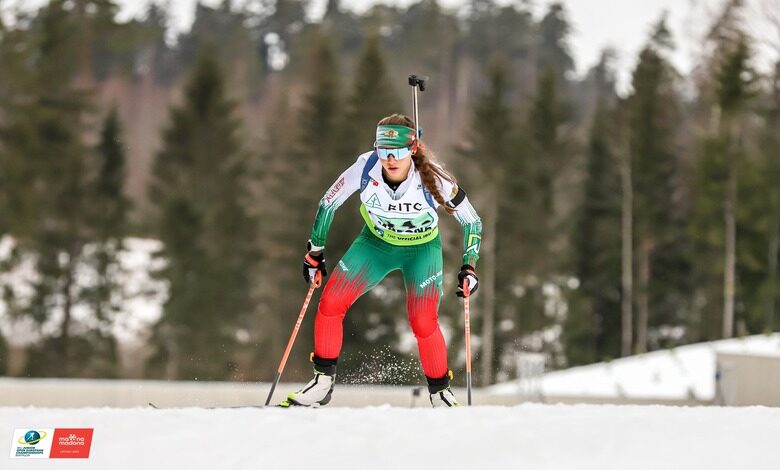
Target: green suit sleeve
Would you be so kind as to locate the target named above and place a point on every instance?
(472, 232)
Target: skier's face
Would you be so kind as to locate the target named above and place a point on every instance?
(396, 170)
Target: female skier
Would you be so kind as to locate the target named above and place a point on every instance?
(399, 198)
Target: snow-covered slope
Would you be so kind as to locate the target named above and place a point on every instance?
(685, 372)
(523, 437)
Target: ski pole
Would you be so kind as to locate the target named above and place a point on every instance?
(468, 338)
(314, 285)
(416, 82)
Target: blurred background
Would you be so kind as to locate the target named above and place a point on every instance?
(161, 164)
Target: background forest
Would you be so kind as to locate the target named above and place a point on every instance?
(613, 223)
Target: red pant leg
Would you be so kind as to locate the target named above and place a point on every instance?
(424, 319)
(339, 294)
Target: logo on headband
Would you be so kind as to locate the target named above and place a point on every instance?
(391, 133)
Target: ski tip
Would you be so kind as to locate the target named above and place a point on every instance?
(293, 404)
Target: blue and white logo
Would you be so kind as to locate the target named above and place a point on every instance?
(31, 443)
(32, 437)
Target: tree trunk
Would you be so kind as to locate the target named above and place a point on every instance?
(730, 227)
(489, 286)
(627, 256)
(16, 360)
(643, 296)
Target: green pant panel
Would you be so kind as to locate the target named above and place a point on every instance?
(371, 259)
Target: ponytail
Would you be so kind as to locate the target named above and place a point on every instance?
(429, 170)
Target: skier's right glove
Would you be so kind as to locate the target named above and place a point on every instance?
(467, 275)
(313, 262)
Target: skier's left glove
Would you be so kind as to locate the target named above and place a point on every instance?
(467, 274)
(313, 262)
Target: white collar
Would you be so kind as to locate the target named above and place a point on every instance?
(376, 174)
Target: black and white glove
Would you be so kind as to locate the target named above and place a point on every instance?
(313, 262)
(467, 274)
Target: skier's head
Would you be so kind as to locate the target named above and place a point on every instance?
(395, 143)
(395, 135)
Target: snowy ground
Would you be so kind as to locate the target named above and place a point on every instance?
(685, 372)
(522, 437)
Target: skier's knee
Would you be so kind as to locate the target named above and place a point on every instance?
(332, 306)
(423, 326)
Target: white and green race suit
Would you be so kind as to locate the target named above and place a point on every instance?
(402, 217)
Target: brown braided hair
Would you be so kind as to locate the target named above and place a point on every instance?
(424, 160)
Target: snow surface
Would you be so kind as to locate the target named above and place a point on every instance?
(528, 436)
(685, 372)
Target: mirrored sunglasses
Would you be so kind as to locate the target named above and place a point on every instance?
(397, 153)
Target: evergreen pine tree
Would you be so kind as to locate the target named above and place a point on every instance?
(592, 329)
(509, 30)
(491, 153)
(553, 51)
(706, 230)
(281, 240)
(286, 21)
(319, 118)
(44, 170)
(723, 167)
(200, 191)
(544, 153)
(373, 97)
(544, 122)
(343, 27)
(225, 28)
(734, 80)
(12, 73)
(653, 118)
(108, 210)
(771, 172)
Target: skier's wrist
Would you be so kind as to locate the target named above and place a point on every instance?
(314, 249)
(313, 262)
